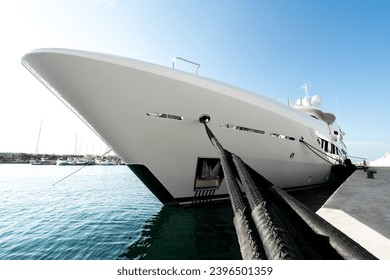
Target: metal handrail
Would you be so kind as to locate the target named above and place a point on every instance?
(186, 60)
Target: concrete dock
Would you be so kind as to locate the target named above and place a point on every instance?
(361, 209)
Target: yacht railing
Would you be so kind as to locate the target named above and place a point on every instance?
(185, 60)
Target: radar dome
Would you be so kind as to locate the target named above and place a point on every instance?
(316, 101)
(306, 101)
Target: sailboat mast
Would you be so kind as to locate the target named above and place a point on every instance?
(75, 147)
(39, 136)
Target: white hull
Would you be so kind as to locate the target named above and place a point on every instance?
(61, 162)
(122, 98)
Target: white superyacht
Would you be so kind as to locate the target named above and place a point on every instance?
(149, 115)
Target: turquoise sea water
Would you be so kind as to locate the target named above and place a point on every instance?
(103, 212)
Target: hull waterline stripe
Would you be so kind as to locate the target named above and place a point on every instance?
(153, 184)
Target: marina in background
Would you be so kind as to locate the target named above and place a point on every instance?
(53, 159)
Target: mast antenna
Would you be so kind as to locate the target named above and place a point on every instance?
(305, 86)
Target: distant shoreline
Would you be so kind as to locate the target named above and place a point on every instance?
(26, 158)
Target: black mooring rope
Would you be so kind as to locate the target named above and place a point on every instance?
(74, 172)
(272, 209)
(277, 242)
(310, 147)
(250, 246)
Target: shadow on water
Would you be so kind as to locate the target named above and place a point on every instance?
(183, 233)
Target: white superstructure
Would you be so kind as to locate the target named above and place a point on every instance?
(149, 115)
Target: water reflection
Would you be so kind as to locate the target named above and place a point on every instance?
(204, 232)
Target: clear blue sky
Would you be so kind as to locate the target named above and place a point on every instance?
(266, 46)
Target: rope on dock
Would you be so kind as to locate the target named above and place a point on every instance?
(347, 248)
